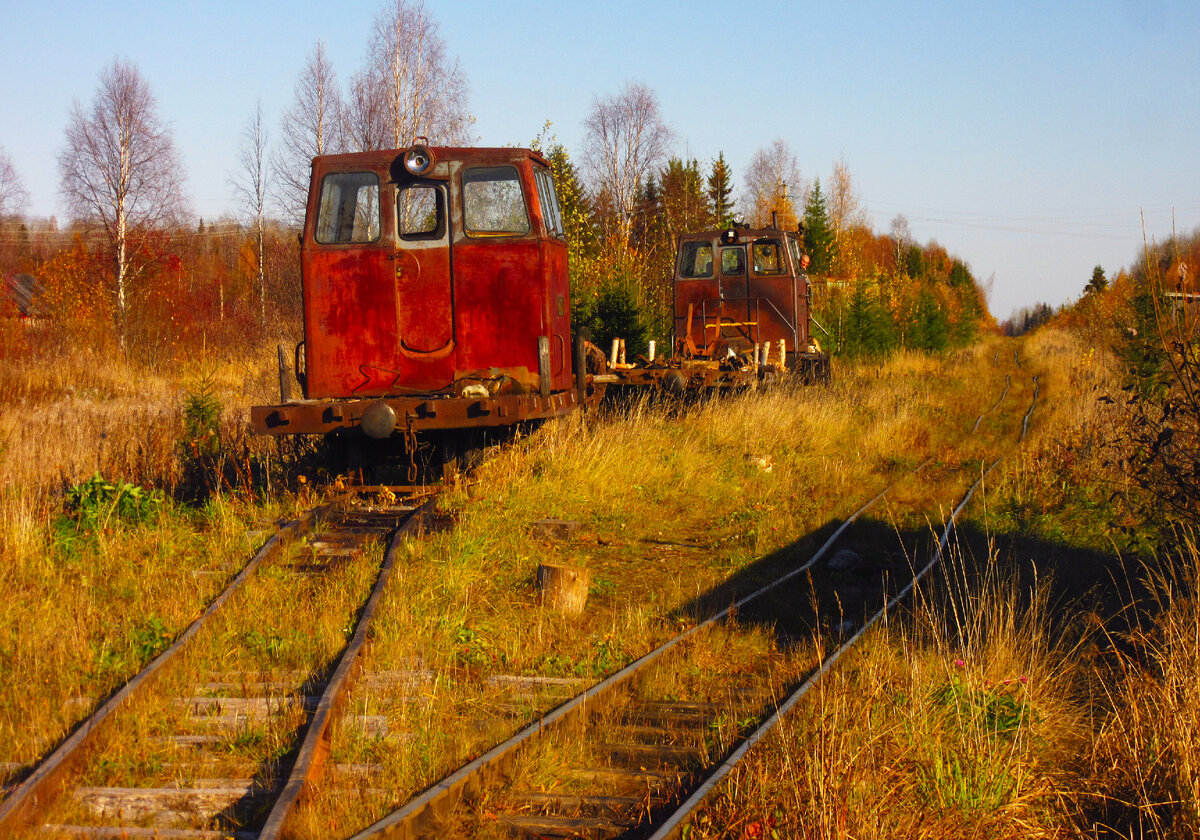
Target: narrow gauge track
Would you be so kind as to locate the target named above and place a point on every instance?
(296, 709)
(669, 754)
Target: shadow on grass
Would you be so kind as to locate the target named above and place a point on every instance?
(1100, 597)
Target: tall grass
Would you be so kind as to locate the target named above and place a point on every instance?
(1146, 756)
(87, 604)
(953, 723)
(671, 501)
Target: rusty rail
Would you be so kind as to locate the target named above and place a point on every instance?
(416, 817)
(315, 747)
(48, 779)
(410, 820)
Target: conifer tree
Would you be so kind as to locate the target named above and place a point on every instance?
(1098, 283)
(818, 237)
(720, 192)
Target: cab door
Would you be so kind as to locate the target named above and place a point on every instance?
(424, 284)
(349, 291)
(735, 290)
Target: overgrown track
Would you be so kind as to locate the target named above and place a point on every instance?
(300, 707)
(633, 764)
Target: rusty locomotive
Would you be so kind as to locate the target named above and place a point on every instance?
(437, 305)
(436, 298)
(742, 314)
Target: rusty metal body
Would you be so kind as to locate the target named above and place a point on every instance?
(435, 294)
(739, 288)
(741, 314)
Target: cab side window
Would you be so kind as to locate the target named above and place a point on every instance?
(348, 211)
(493, 204)
(696, 260)
(548, 198)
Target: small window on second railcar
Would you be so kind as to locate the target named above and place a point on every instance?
(768, 257)
(420, 212)
(493, 204)
(349, 208)
(733, 261)
(696, 259)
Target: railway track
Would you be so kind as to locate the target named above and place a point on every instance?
(626, 758)
(231, 719)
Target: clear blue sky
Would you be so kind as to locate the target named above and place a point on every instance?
(1027, 138)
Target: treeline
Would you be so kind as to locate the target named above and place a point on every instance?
(192, 291)
(134, 270)
(873, 293)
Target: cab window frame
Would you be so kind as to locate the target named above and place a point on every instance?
(438, 232)
(689, 257)
(780, 257)
(471, 210)
(742, 268)
(340, 213)
(552, 218)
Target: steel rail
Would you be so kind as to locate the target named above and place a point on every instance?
(672, 826)
(1007, 385)
(314, 749)
(48, 779)
(441, 797)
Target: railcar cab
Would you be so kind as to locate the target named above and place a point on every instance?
(426, 270)
(435, 294)
(739, 290)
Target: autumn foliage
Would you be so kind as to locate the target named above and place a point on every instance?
(193, 294)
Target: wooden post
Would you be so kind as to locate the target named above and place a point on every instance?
(285, 377)
(564, 588)
(544, 365)
(577, 350)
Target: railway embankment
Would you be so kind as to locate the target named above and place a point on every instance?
(989, 700)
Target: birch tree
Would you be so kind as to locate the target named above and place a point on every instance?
(312, 126)
(845, 208)
(773, 184)
(626, 138)
(13, 196)
(365, 120)
(119, 168)
(250, 185)
(846, 214)
(413, 79)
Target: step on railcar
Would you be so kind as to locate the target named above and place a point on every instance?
(436, 298)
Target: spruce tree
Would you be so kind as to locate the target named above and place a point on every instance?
(1098, 283)
(818, 235)
(720, 192)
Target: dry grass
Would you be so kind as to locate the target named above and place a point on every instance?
(1145, 760)
(84, 610)
(950, 724)
(670, 503)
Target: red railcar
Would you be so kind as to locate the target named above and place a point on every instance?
(435, 295)
(745, 290)
(742, 304)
